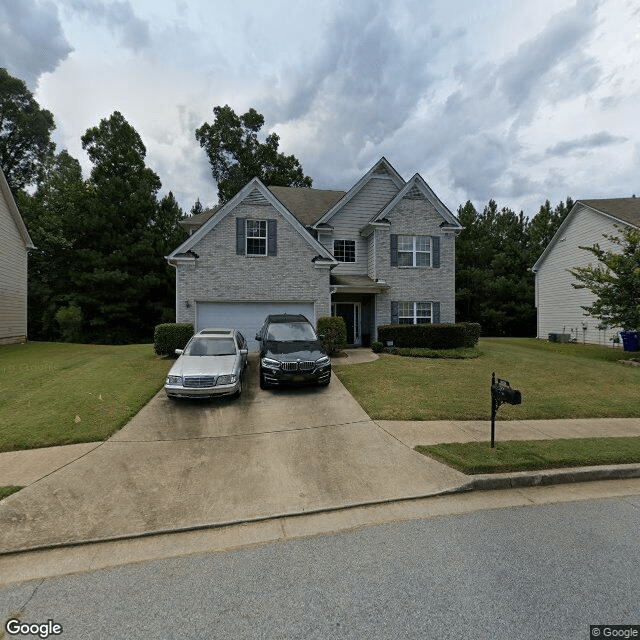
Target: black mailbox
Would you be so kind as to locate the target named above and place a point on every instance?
(501, 393)
(505, 394)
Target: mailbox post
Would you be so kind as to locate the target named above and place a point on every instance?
(501, 393)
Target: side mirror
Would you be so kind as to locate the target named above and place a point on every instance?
(258, 338)
(179, 352)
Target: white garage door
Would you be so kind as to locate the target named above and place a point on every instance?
(247, 317)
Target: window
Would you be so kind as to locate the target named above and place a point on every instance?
(415, 312)
(256, 237)
(414, 251)
(344, 250)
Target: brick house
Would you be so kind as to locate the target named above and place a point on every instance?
(382, 252)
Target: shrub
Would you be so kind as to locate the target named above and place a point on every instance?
(429, 336)
(377, 347)
(70, 321)
(171, 336)
(334, 332)
(472, 333)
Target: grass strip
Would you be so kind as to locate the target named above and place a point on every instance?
(7, 491)
(531, 455)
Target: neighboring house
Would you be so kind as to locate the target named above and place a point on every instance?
(383, 252)
(558, 303)
(14, 246)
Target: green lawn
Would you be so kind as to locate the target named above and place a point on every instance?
(54, 393)
(479, 457)
(556, 380)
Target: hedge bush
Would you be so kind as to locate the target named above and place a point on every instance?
(171, 336)
(430, 336)
(334, 331)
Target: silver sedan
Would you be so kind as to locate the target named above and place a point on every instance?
(212, 364)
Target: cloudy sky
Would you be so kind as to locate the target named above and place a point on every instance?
(513, 100)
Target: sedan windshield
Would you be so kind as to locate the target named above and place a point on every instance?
(291, 332)
(211, 347)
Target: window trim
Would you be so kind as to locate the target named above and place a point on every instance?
(415, 252)
(414, 315)
(247, 237)
(355, 257)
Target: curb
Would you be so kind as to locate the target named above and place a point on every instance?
(547, 477)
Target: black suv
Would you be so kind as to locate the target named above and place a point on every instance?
(291, 353)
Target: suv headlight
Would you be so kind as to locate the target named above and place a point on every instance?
(174, 380)
(269, 362)
(322, 361)
(230, 379)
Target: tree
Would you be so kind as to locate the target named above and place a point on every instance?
(615, 281)
(544, 226)
(493, 284)
(237, 156)
(25, 133)
(121, 281)
(51, 214)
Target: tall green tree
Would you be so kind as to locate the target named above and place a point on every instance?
(25, 134)
(51, 214)
(121, 281)
(237, 156)
(615, 281)
(544, 226)
(493, 284)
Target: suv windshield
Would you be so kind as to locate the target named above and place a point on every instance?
(211, 347)
(291, 332)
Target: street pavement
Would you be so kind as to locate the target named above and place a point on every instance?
(274, 454)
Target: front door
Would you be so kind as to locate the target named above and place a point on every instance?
(350, 313)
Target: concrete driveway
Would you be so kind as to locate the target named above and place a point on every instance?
(186, 464)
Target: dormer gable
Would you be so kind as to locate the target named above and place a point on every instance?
(380, 170)
(417, 189)
(253, 193)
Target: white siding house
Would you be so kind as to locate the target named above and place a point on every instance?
(558, 303)
(14, 245)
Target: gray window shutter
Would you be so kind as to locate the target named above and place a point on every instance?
(435, 252)
(393, 240)
(394, 312)
(435, 309)
(272, 237)
(241, 231)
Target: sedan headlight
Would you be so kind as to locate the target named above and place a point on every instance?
(322, 361)
(268, 362)
(231, 379)
(174, 380)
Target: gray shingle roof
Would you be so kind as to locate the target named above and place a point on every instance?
(625, 209)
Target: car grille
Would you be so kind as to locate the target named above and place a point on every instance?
(305, 365)
(199, 382)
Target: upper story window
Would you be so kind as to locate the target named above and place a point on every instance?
(414, 251)
(256, 237)
(344, 250)
(415, 312)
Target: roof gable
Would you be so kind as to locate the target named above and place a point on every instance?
(381, 169)
(253, 193)
(13, 211)
(417, 189)
(625, 211)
